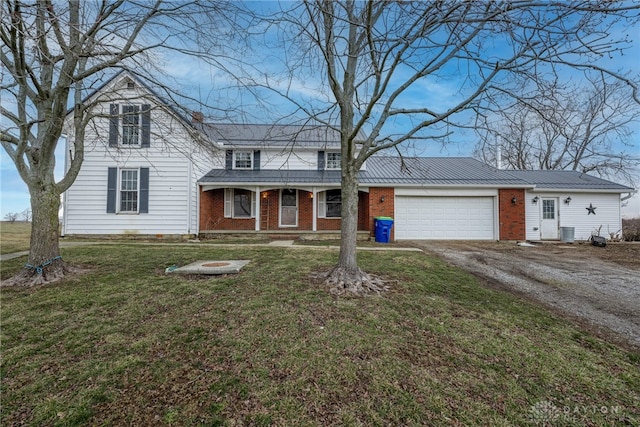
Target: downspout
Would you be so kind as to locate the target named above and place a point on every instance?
(67, 159)
(190, 193)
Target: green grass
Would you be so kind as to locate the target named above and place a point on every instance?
(125, 344)
(14, 236)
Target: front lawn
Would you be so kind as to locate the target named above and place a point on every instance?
(125, 344)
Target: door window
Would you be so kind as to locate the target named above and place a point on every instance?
(548, 209)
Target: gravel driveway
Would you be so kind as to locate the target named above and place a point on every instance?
(598, 286)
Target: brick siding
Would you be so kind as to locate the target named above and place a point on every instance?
(212, 213)
(512, 216)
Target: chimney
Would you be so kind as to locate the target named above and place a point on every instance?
(499, 158)
(197, 117)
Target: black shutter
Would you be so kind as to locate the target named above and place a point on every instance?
(144, 191)
(112, 189)
(229, 160)
(114, 110)
(321, 160)
(146, 126)
(256, 160)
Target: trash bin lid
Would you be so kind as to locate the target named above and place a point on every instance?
(387, 218)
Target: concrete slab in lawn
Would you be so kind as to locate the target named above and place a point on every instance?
(212, 267)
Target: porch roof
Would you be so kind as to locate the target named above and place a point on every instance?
(272, 177)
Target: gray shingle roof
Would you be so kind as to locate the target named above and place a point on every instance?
(552, 179)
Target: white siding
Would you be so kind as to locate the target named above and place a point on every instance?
(575, 214)
(174, 166)
(279, 159)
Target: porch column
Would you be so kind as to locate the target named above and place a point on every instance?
(258, 211)
(314, 209)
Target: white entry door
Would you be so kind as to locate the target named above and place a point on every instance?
(549, 222)
(288, 208)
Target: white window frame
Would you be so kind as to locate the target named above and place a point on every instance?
(236, 159)
(131, 130)
(121, 172)
(322, 204)
(229, 203)
(333, 160)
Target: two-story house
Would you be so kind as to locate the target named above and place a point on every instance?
(150, 171)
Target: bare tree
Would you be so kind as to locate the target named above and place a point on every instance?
(586, 128)
(26, 215)
(373, 57)
(54, 54)
(11, 217)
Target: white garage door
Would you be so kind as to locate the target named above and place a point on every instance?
(443, 218)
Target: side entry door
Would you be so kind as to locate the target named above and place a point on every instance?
(549, 222)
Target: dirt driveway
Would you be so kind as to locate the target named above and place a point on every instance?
(599, 287)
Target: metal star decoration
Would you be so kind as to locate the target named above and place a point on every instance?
(591, 209)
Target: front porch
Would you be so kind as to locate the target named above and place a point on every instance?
(312, 212)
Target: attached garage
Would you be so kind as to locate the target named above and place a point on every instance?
(444, 218)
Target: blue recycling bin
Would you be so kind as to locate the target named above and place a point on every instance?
(382, 225)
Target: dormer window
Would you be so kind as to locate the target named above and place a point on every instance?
(243, 159)
(333, 160)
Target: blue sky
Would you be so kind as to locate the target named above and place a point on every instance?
(202, 82)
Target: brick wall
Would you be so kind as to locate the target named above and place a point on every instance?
(212, 213)
(379, 208)
(511, 216)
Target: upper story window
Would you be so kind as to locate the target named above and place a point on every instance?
(130, 125)
(333, 160)
(243, 159)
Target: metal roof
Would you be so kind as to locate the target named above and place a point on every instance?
(447, 171)
(422, 171)
(562, 179)
(413, 171)
(280, 176)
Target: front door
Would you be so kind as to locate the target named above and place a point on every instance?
(549, 223)
(288, 208)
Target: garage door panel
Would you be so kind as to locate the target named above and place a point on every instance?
(441, 218)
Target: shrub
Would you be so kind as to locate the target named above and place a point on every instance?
(631, 230)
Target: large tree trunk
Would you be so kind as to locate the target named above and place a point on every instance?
(44, 264)
(346, 277)
(349, 221)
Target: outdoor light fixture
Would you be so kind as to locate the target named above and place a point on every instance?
(382, 199)
(535, 199)
(567, 200)
(311, 195)
(264, 195)
(514, 200)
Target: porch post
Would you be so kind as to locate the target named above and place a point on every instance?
(314, 209)
(258, 211)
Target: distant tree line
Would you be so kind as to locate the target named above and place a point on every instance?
(13, 216)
